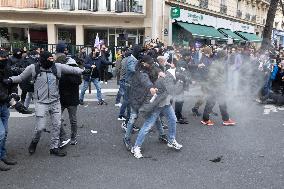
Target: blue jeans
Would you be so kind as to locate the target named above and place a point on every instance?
(120, 92)
(169, 113)
(86, 86)
(4, 116)
(125, 104)
(132, 119)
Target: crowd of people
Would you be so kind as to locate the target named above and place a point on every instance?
(153, 82)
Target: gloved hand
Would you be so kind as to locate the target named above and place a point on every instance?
(7, 81)
(86, 71)
(15, 96)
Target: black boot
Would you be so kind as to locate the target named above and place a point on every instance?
(32, 147)
(4, 167)
(195, 112)
(57, 152)
(9, 161)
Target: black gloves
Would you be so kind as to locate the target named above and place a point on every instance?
(15, 96)
(86, 72)
(7, 81)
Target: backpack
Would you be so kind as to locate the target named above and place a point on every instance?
(53, 70)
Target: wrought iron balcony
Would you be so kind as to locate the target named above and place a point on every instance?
(203, 4)
(223, 9)
(253, 18)
(74, 5)
(239, 14)
(247, 16)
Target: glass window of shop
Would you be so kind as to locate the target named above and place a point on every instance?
(115, 37)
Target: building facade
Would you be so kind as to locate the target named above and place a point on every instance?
(77, 22)
(247, 16)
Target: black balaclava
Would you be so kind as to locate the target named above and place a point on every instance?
(44, 62)
(17, 53)
(4, 62)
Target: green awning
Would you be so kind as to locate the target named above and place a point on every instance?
(199, 31)
(250, 36)
(231, 34)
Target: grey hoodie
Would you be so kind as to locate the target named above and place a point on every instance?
(46, 89)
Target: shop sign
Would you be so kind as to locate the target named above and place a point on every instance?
(223, 23)
(203, 19)
(196, 18)
(243, 27)
(175, 12)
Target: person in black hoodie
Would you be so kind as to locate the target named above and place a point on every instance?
(69, 99)
(94, 63)
(5, 92)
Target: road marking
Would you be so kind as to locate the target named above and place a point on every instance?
(19, 115)
(271, 108)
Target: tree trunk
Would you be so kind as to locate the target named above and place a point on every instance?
(267, 32)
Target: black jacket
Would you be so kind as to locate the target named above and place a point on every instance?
(69, 89)
(5, 90)
(99, 62)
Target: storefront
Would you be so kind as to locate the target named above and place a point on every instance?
(278, 37)
(190, 27)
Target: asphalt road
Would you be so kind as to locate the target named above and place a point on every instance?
(252, 153)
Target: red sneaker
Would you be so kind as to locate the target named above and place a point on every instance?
(229, 123)
(208, 123)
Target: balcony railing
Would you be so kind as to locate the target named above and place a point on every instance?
(223, 9)
(203, 4)
(74, 5)
(239, 14)
(247, 16)
(253, 18)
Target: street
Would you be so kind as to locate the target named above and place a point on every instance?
(248, 155)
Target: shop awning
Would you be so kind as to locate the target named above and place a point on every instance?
(250, 36)
(200, 31)
(231, 34)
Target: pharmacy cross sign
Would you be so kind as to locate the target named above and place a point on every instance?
(175, 12)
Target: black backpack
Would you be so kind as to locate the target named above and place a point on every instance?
(38, 71)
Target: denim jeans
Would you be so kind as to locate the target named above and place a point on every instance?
(125, 104)
(169, 113)
(120, 92)
(132, 119)
(96, 83)
(4, 116)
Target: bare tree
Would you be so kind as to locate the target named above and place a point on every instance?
(267, 32)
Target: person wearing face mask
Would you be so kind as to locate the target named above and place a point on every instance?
(5, 92)
(61, 53)
(46, 77)
(164, 88)
(93, 63)
(16, 62)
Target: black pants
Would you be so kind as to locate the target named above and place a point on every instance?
(210, 103)
(23, 95)
(178, 109)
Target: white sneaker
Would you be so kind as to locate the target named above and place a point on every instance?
(64, 143)
(121, 118)
(136, 151)
(124, 126)
(106, 83)
(174, 145)
(118, 105)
